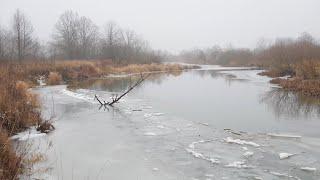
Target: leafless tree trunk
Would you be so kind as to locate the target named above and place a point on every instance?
(88, 35)
(23, 31)
(66, 34)
(111, 41)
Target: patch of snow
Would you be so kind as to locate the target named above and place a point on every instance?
(160, 126)
(245, 148)
(248, 154)
(284, 155)
(146, 107)
(158, 114)
(241, 142)
(310, 169)
(147, 115)
(205, 124)
(189, 125)
(150, 134)
(41, 81)
(238, 164)
(257, 178)
(201, 156)
(77, 95)
(26, 135)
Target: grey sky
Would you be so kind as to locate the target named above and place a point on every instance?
(180, 24)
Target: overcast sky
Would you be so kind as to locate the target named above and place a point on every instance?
(181, 24)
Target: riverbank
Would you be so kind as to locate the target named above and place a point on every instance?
(303, 77)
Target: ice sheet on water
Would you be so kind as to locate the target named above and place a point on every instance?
(78, 95)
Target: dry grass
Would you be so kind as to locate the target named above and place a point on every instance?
(79, 70)
(307, 69)
(19, 109)
(10, 163)
(139, 68)
(305, 87)
(54, 78)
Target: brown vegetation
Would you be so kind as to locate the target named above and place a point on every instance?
(54, 78)
(19, 109)
(10, 162)
(305, 87)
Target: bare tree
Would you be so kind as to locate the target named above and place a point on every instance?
(23, 34)
(111, 41)
(66, 35)
(88, 36)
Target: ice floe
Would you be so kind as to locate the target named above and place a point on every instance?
(284, 136)
(147, 115)
(150, 134)
(310, 169)
(238, 164)
(192, 151)
(77, 95)
(240, 142)
(248, 154)
(284, 155)
(201, 156)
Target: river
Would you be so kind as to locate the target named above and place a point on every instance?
(210, 123)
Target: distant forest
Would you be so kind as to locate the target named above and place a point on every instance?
(74, 37)
(281, 51)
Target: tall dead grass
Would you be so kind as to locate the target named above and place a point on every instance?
(19, 109)
(54, 78)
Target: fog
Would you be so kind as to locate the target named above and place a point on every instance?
(174, 25)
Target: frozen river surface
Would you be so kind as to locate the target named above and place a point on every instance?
(212, 123)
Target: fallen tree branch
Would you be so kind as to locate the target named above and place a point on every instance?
(116, 98)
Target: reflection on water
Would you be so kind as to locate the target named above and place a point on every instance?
(291, 104)
(204, 94)
(119, 84)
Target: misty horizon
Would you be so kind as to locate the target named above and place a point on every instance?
(175, 26)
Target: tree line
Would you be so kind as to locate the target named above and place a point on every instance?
(281, 53)
(75, 37)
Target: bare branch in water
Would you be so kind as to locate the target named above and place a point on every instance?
(116, 98)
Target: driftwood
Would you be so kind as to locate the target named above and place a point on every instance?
(116, 98)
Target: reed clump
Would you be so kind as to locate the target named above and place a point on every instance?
(54, 78)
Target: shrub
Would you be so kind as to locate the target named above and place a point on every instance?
(308, 69)
(54, 78)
